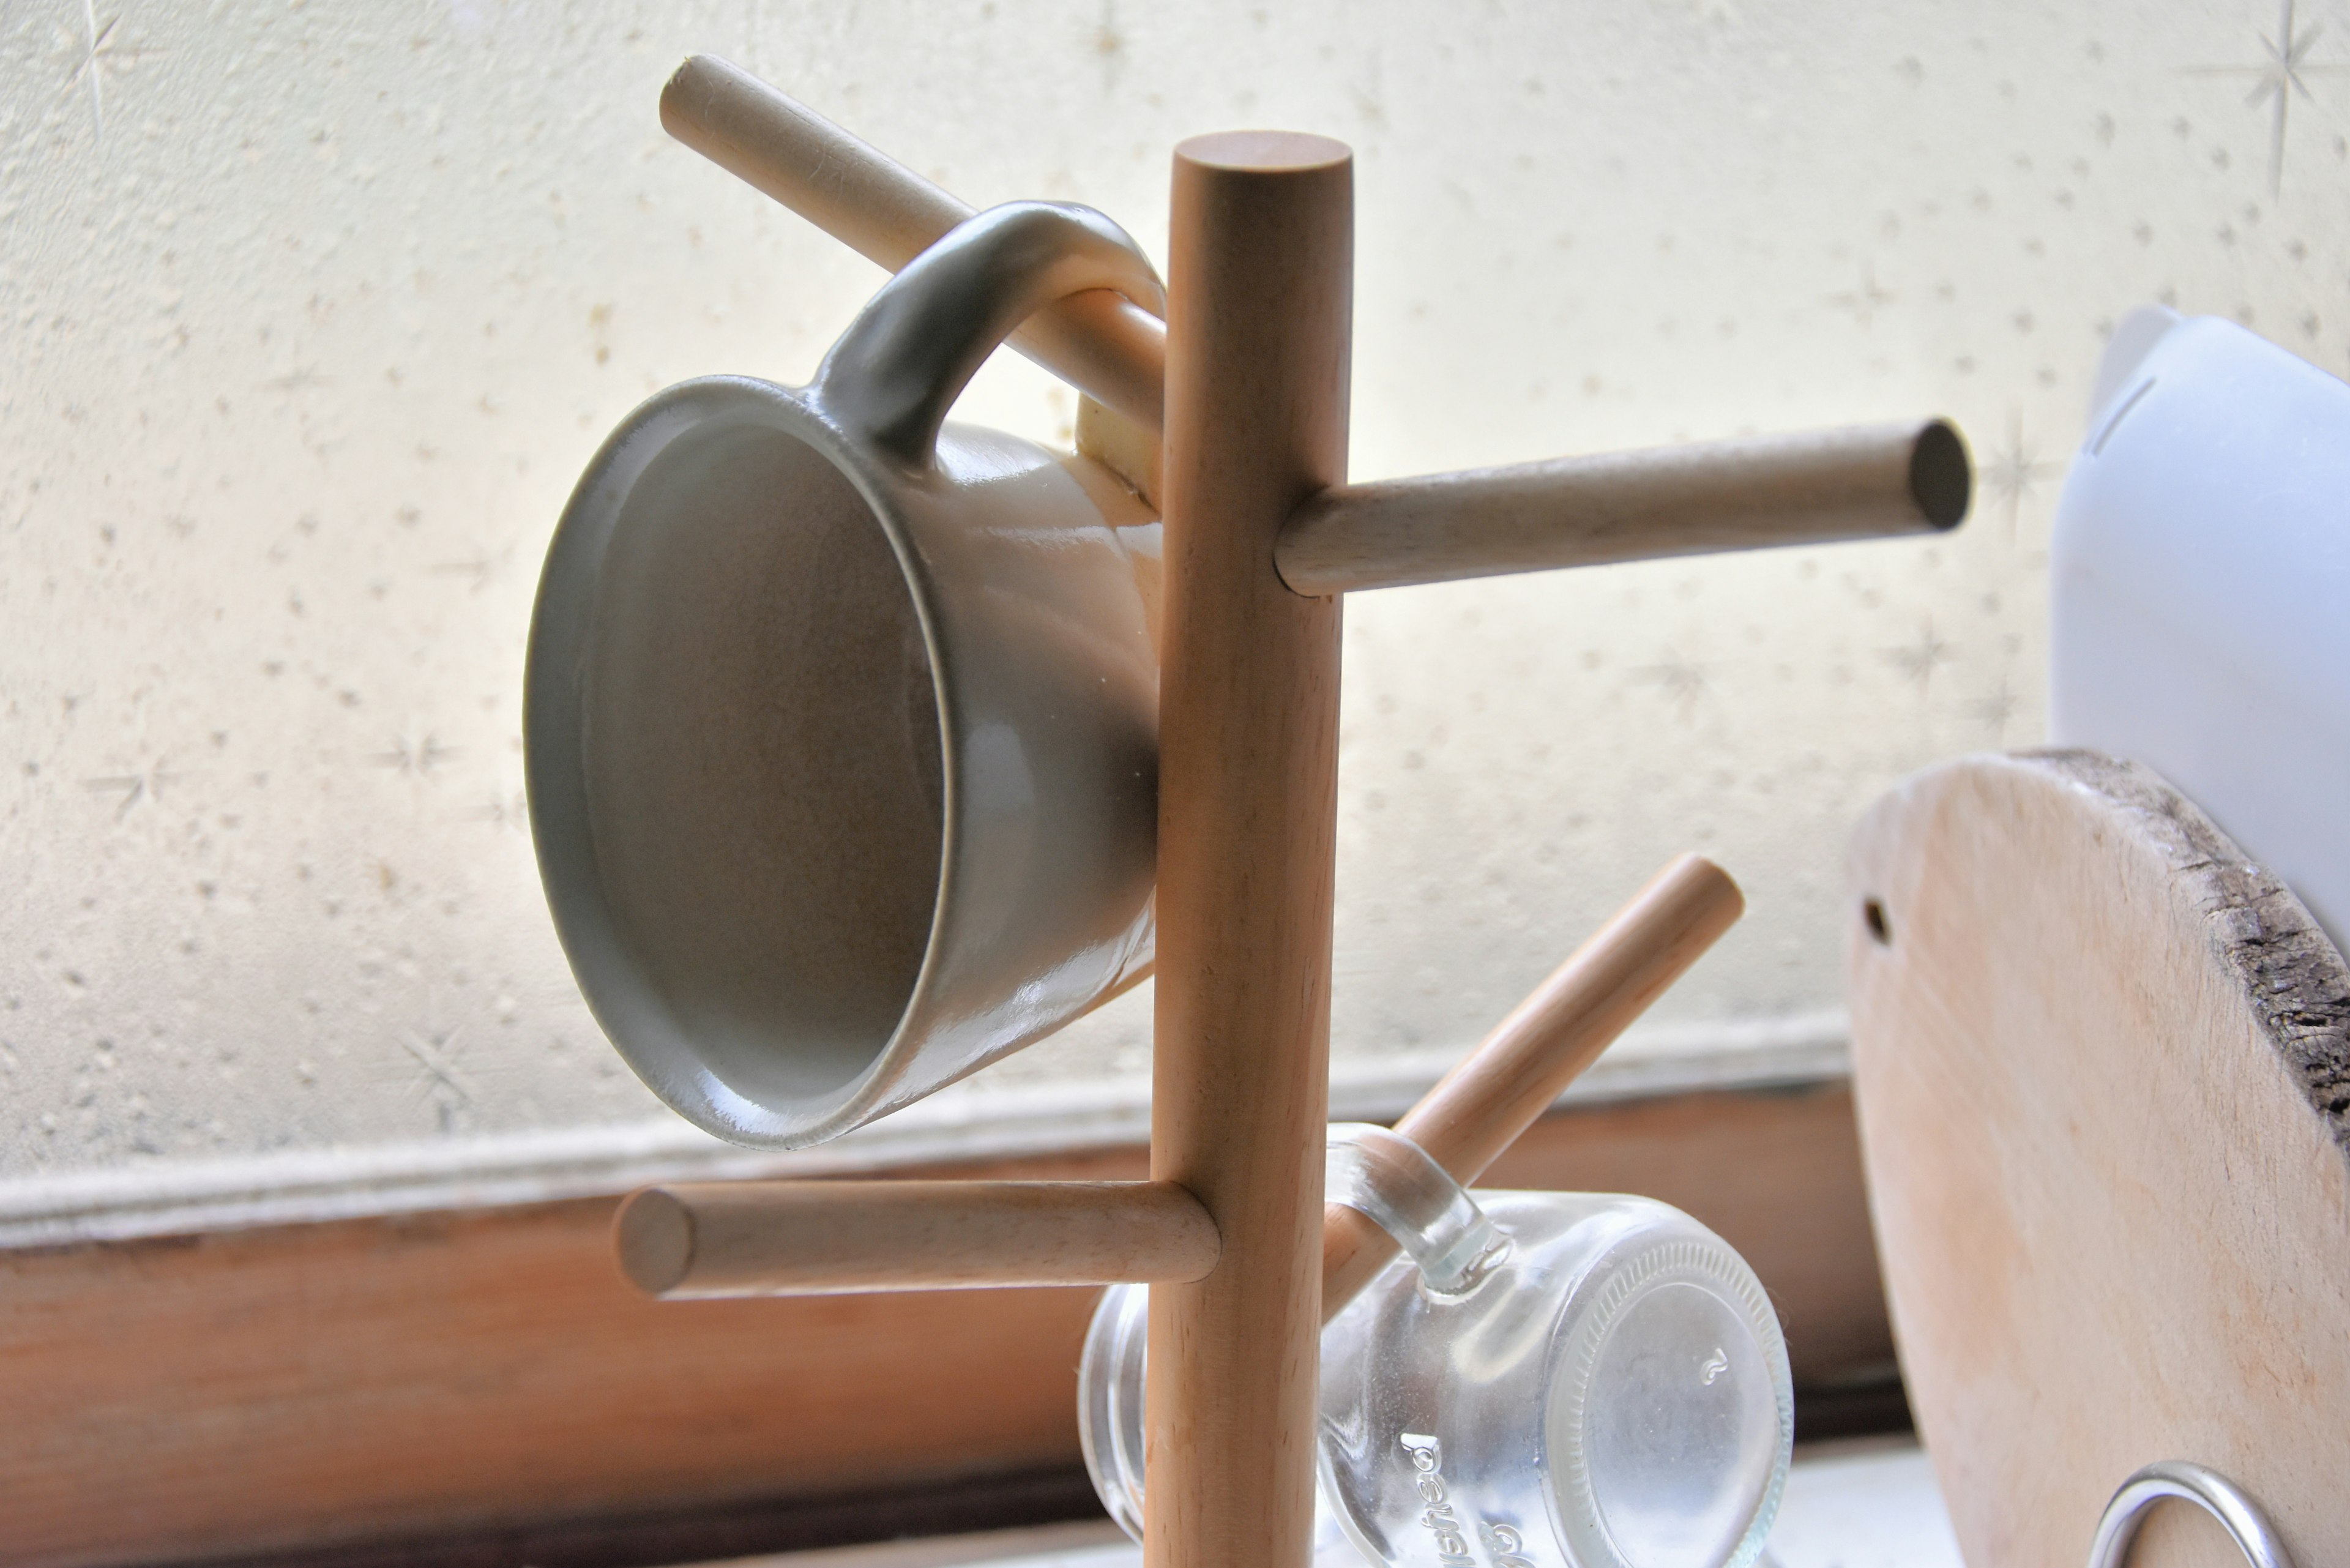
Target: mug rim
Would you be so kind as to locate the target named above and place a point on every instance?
(627, 1005)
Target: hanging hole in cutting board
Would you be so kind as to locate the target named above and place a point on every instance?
(1873, 913)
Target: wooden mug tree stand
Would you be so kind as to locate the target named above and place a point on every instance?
(1233, 415)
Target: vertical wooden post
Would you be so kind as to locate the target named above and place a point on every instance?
(1259, 326)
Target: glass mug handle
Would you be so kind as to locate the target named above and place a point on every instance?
(1394, 1183)
(1398, 1186)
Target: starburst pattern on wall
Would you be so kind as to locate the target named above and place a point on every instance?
(414, 758)
(1683, 680)
(440, 1076)
(132, 788)
(103, 51)
(1918, 659)
(1994, 708)
(2015, 471)
(312, 527)
(2276, 79)
(1864, 300)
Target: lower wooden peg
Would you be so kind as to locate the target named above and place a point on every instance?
(700, 1239)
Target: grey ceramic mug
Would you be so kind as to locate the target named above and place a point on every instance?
(841, 723)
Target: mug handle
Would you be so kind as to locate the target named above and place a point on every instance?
(901, 364)
(1398, 1186)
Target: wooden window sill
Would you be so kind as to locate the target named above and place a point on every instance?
(286, 1386)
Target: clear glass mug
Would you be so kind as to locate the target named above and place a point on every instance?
(1541, 1380)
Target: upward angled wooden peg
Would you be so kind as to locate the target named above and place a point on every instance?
(1806, 487)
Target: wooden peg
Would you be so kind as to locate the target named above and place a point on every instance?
(1811, 488)
(1259, 317)
(695, 1240)
(1866, 482)
(887, 213)
(698, 1240)
(1499, 1090)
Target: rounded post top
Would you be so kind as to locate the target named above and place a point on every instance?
(1264, 152)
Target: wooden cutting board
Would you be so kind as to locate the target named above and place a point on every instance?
(2102, 1069)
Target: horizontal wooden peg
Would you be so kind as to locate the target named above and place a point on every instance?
(701, 1240)
(1858, 482)
(885, 212)
(1499, 1090)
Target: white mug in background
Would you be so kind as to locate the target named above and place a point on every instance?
(841, 721)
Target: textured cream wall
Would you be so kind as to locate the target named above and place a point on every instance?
(309, 314)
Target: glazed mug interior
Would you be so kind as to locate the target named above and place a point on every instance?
(778, 858)
(841, 723)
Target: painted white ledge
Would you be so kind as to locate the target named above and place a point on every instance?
(1868, 1504)
(969, 1121)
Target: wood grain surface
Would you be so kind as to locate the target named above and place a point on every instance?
(697, 1241)
(350, 1381)
(694, 1241)
(1258, 324)
(2103, 1063)
(1863, 482)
